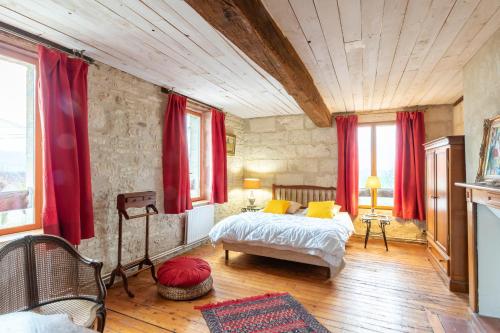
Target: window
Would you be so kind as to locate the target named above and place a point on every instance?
(195, 151)
(20, 146)
(377, 157)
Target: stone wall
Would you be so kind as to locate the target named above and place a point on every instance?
(291, 150)
(125, 134)
(236, 126)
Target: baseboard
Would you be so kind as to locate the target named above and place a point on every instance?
(482, 324)
(162, 256)
(392, 239)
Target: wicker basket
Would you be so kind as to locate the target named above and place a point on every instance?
(184, 294)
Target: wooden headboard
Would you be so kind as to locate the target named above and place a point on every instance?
(303, 193)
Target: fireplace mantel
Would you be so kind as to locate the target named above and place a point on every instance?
(482, 194)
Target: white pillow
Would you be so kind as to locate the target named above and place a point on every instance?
(293, 207)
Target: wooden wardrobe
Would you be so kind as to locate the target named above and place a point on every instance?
(446, 210)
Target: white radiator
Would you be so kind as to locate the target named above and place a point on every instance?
(199, 222)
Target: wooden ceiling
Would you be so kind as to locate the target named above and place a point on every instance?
(361, 54)
(164, 42)
(376, 54)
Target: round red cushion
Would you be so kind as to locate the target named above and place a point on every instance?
(183, 272)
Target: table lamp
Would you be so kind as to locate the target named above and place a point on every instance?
(373, 183)
(251, 184)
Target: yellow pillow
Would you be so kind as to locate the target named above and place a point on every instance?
(320, 209)
(277, 206)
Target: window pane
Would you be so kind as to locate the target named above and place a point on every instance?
(365, 158)
(16, 142)
(194, 147)
(386, 159)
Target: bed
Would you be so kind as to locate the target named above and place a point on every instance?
(293, 237)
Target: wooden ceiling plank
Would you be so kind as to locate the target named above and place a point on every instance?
(416, 12)
(371, 15)
(305, 13)
(405, 82)
(283, 15)
(350, 21)
(440, 86)
(460, 13)
(481, 16)
(231, 57)
(354, 53)
(450, 90)
(350, 18)
(186, 83)
(250, 27)
(188, 53)
(161, 14)
(481, 38)
(97, 22)
(433, 24)
(328, 13)
(394, 12)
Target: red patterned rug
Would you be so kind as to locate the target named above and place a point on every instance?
(269, 313)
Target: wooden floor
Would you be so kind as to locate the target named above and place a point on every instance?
(378, 291)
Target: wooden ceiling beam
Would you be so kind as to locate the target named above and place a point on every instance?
(248, 25)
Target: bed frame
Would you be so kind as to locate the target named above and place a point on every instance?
(301, 194)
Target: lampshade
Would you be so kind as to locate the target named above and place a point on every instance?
(251, 183)
(373, 182)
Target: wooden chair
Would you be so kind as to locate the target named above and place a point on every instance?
(46, 275)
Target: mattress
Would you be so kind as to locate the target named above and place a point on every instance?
(325, 238)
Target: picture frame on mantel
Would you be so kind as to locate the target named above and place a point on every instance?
(230, 144)
(489, 153)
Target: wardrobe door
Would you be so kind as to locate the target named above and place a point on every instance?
(441, 232)
(430, 188)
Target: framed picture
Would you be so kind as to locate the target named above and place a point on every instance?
(489, 154)
(230, 144)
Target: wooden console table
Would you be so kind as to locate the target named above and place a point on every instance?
(476, 193)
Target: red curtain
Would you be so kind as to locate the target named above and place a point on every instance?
(410, 166)
(176, 185)
(219, 162)
(348, 169)
(67, 192)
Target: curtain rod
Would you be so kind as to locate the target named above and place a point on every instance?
(40, 40)
(420, 108)
(171, 91)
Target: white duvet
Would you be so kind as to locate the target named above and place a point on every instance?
(325, 238)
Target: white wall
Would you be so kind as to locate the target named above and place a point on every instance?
(488, 246)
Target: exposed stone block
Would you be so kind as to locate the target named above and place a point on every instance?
(299, 136)
(259, 125)
(288, 123)
(303, 165)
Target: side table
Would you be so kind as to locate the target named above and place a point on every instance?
(383, 221)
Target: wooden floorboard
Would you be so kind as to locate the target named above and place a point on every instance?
(378, 291)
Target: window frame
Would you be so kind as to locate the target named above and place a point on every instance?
(373, 138)
(202, 196)
(31, 58)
